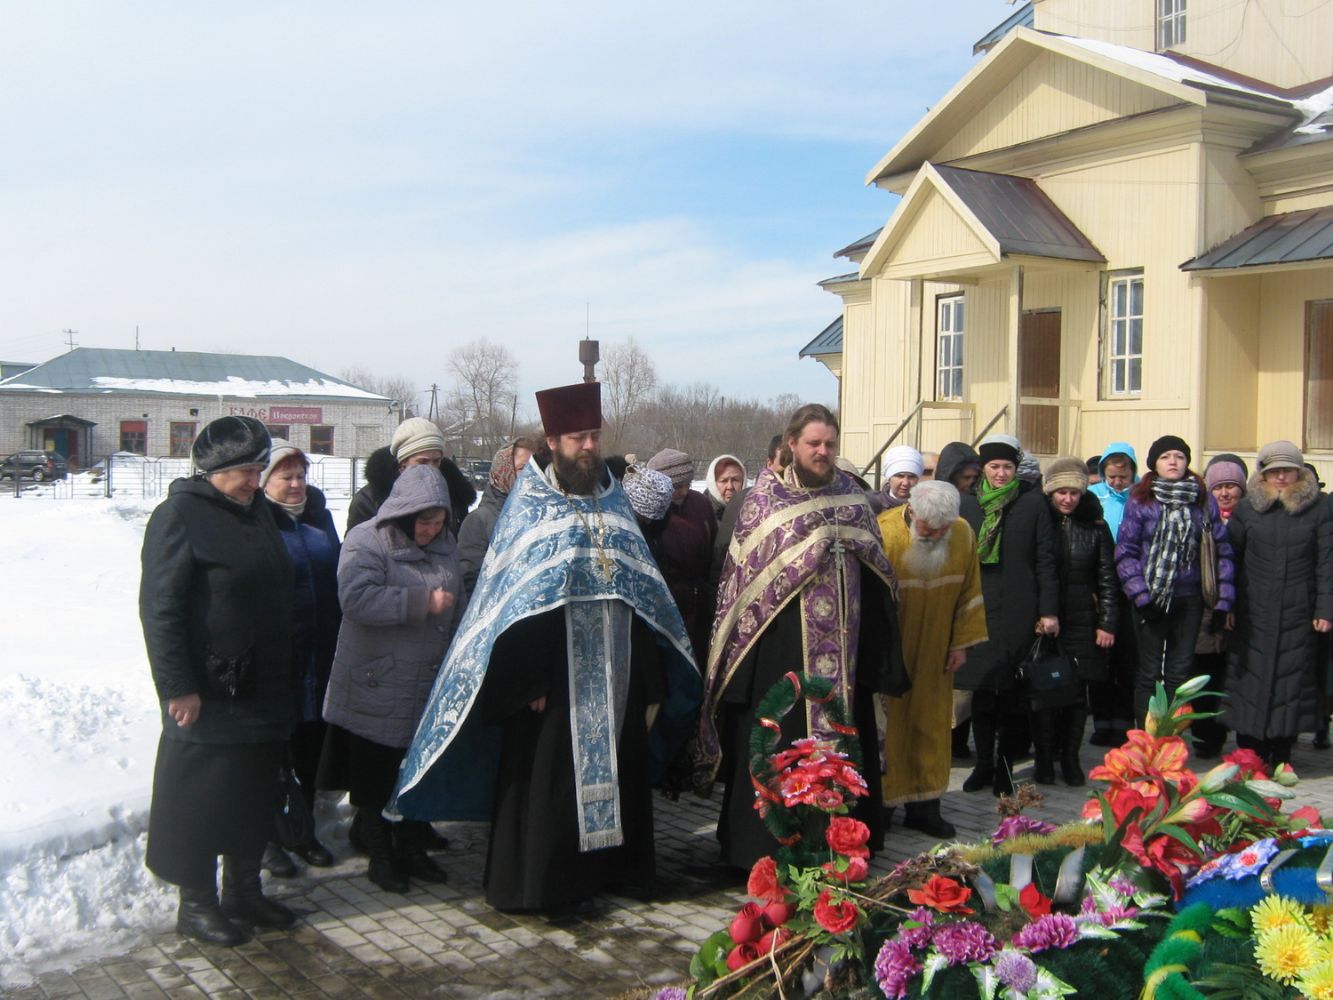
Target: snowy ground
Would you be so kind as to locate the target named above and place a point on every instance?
(78, 732)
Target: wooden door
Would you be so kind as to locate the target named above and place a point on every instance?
(1038, 381)
(1318, 375)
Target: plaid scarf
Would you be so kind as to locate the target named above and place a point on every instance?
(993, 500)
(1174, 543)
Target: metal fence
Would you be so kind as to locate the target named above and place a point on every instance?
(135, 476)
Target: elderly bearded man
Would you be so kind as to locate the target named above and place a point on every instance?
(560, 650)
(934, 554)
(805, 586)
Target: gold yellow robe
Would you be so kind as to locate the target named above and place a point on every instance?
(936, 615)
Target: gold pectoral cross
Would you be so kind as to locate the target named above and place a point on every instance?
(605, 565)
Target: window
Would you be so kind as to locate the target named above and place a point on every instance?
(321, 439)
(134, 436)
(1170, 23)
(949, 347)
(182, 437)
(283, 431)
(1124, 327)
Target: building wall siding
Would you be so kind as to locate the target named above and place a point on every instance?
(1232, 379)
(1281, 379)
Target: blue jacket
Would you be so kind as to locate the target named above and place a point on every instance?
(1113, 501)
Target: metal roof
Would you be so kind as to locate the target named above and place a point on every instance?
(841, 279)
(91, 369)
(1021, 18)
(1020, 215)
(1290, 238)
(861, 245)
(829, 341)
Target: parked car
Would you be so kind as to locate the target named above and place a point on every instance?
(478, 470)
(35, 465)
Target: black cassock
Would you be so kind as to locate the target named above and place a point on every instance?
(534, 862)
(777, 651)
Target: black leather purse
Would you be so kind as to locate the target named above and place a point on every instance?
(1051, 675)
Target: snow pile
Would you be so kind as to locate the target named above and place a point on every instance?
(232, 385)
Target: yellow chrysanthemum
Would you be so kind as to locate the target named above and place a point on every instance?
(1286, 953)
(1317, 983)
(1321, 918)
(1273, 912)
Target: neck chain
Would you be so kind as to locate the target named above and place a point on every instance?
(605, 564)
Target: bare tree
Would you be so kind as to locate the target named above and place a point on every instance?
(481, 407)
(628, 377)
(398, 387)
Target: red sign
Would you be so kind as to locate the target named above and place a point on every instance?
(281, 414)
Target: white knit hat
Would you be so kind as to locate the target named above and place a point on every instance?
(413, 436)
(279, 452)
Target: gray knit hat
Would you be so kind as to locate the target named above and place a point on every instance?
(413, 436)
(279, 452)
(1280, 455)
(1065, 473)
(675, 464)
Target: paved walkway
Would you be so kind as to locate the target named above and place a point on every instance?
(355, 941)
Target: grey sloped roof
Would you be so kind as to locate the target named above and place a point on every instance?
(1289, 238)
(1023, 17)
(828, 341)
(92, 369)
(1020, 215)
(861, 245)
(840, 279)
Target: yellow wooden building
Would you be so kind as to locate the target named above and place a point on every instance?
(1118, 225)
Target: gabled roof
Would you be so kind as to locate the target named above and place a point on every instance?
(1185, 81)
(1010, 216)
(860, 246)
(1289, 238)
(828, 341)
(244, 376)
(840, 279)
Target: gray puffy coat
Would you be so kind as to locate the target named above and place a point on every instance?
(389, 648)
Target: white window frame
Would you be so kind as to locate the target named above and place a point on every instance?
(1122, 319)
(1170, 24)
(950, 334)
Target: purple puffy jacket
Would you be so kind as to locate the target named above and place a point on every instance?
(1131, 551)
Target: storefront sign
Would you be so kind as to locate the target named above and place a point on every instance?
(281, 414)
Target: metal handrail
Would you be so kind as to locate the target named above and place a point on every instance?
(993, 421)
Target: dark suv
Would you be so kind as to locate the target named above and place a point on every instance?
(35, 465)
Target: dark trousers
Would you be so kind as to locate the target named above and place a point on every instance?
(1111, 701)
(1166, 650)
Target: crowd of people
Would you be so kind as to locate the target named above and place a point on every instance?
(596, 629)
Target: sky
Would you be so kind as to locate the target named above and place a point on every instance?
(375, 185)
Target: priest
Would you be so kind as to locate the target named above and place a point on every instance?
(561, 651)
(805, 586)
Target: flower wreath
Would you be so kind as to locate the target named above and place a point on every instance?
(835, 757)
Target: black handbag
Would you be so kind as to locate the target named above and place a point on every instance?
(1051, 675)
(293, 826)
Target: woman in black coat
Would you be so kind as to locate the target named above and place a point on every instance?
(1089, 612)
(1016, 550)
(1282, 537)
(215, 598)
(307, 530)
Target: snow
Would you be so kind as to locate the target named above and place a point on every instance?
(79, 724)
(232, 386)
(1166, 67)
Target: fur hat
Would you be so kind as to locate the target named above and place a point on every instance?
(1065, 473)
(229, 443)
(569, 408)
(903, 458)
(1224, 471)
(415, 435)
(1279, 455)
(649, 492)
(1165, 443)
(1000, 446)
(279, 451)
(675, 464)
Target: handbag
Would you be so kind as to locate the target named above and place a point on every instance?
(1208, 581)
(293, 826)
(1051, 675)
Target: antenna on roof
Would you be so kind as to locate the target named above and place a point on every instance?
(136, 336)
(69, 338)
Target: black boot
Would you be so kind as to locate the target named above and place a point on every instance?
(983, 731)
(315, 854)
(1043, 741)
(1071, 742)
(959, 749)
(925, 816)
(200, 917)
(243, 896)
(1321, 735)
(378, 838)
(410, 853)
(430, 840)
(276, 861)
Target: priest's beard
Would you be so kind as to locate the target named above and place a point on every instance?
(581, 475)
(810, 478)
(925, 558)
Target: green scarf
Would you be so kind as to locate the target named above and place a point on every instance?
(993, 499)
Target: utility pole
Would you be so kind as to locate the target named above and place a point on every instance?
(434, 412)
(69, 338)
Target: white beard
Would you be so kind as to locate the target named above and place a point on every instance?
(925, 557)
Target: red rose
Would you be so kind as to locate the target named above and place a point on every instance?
(856, 870)
(775, 938)
(942, 894)
(741, 956)
(763, 883)
(1250, 763)
(836, 918)
(1033, 901)
(777, 914)
(747, 925)
(848, 836)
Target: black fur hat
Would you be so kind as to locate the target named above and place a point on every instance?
(230, 442)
